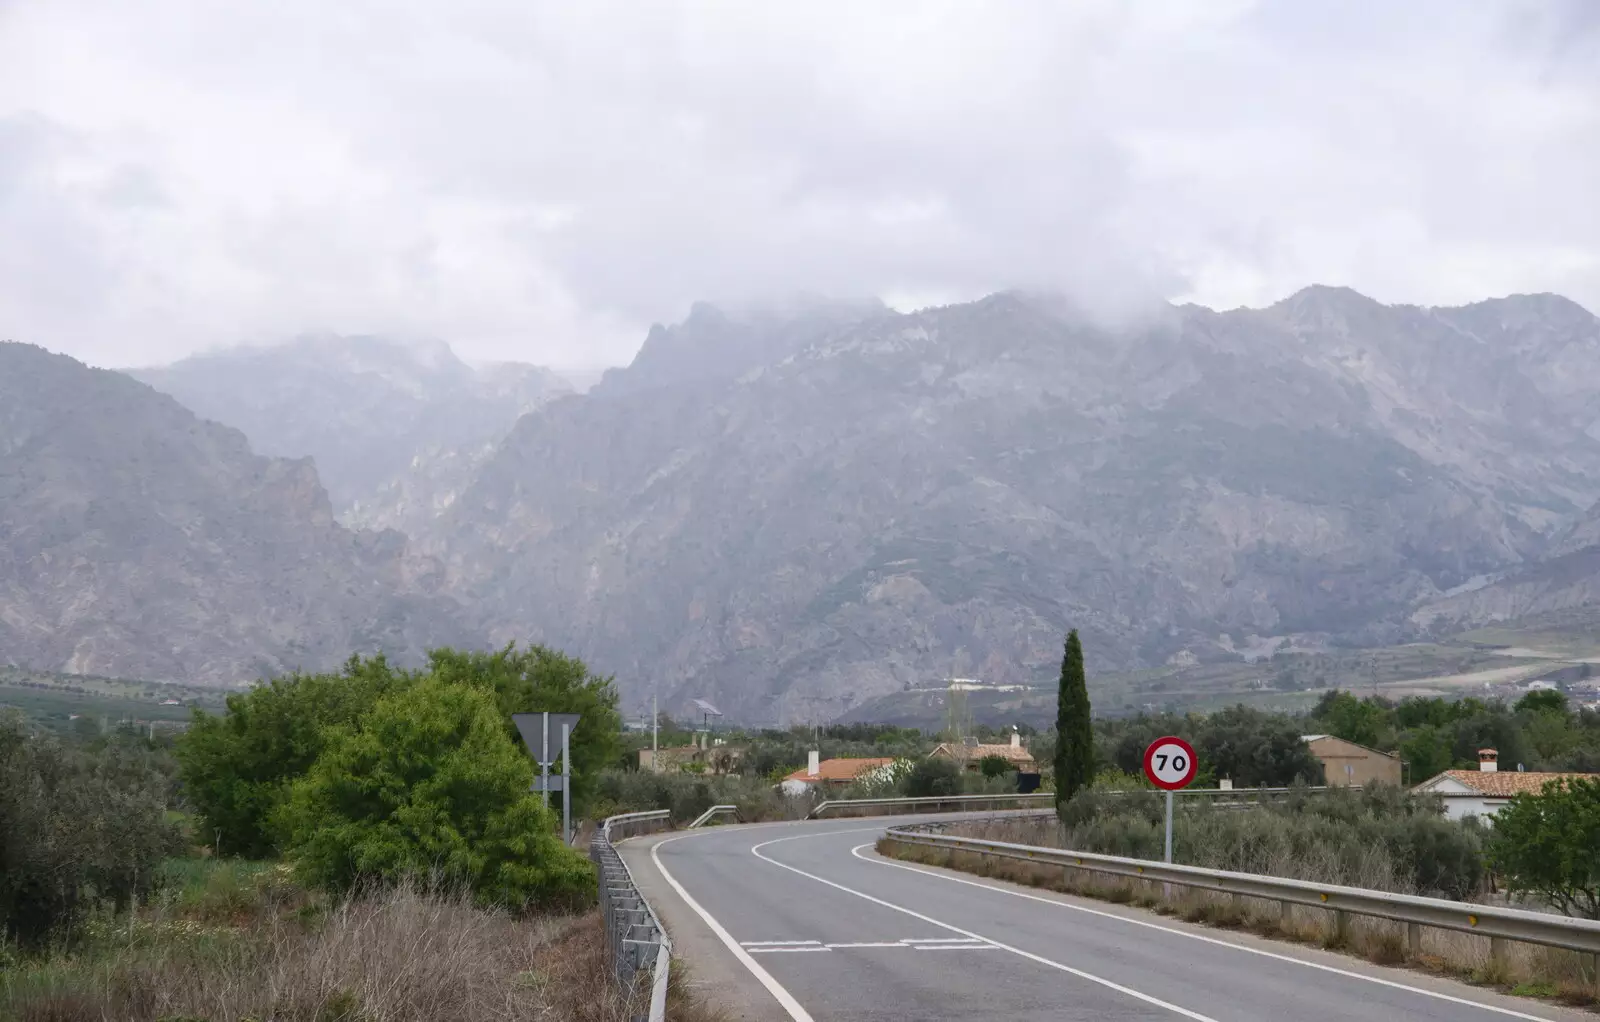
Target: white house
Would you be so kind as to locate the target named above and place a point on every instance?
(1483, 791)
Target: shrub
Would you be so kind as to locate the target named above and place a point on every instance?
(429, 784)
(539, 679)
(933, 777)
(1547, 844)
(79, 825)
(237, 768)
(995, 766)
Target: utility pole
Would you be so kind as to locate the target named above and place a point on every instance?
(655, 726)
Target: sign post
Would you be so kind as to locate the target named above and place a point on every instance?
(1170, 764)
(536, 729)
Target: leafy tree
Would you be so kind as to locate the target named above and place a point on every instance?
(237, 768)
(1255, 749)
(1075, 764)
(428, 784)
(1547, 700)
(933, 777)
(1546, 845)
(539, 679)
(1363, 721)
(995, 766)
(1427, 750)
(80, 823)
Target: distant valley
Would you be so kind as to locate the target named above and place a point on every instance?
(801, 512)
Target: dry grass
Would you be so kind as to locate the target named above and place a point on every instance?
(1525, 969)
(401, 955)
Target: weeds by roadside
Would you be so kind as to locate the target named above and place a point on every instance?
(238, 941)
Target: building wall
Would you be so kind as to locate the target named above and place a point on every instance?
(1458, 806)
(1366, 766)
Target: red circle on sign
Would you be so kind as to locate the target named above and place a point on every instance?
(1170, 763)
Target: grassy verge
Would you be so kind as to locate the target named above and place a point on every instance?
(1526, 969)
(229, 941)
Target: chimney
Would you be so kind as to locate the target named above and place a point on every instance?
(813, 763)
(1016, 740)
(1488, 760)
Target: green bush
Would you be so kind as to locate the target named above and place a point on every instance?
(429, 784)
(237, 768)
(933, 778)
(80, 825)
(1379, 838)
(539, 679)
(1548, 845)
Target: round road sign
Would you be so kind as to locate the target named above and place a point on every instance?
(1169, 763)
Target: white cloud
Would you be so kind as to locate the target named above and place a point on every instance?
(542, 180)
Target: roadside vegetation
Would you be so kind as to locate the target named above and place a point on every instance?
(347, 846)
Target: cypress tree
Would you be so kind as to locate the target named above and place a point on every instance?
(1074, 734)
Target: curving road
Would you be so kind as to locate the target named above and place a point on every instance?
(803, 921)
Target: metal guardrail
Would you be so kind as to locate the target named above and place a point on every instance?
(715, 811)
(635, 938)
(1498, 924)
(943, 804)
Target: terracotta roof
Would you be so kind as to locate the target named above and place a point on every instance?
(1014, 753)
(1505, 783)
(840, 769)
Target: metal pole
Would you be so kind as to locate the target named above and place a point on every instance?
(566, 783)
(655, 727)
(544, 768)
(1169, 827)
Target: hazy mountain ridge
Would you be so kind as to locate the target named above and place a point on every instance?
(374, 413)
(944, 492)
(138, 540)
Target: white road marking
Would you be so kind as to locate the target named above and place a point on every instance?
(935, 940)
(1091, 977)
(1511, 1012)
(872, 943)
(783, 950)
(785, 999)
(963, 947)
(775, 943)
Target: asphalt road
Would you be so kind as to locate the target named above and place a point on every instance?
(803, 921)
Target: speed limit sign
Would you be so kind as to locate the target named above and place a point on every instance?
(1169, 763)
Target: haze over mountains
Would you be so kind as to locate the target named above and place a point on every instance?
(791, 511)
(379, 416)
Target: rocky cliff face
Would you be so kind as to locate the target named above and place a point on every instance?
(886, 499)
(139, 540)
(386, 422)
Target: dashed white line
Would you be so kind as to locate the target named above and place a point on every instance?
(784, 998)
(775, 943)
(782, 950)
(1091, 977)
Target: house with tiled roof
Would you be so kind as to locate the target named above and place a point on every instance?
(969, 755)
(832, 773)
(1483, 791)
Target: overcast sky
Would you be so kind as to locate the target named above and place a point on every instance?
(541, 181)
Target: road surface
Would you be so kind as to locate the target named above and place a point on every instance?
(803, 921)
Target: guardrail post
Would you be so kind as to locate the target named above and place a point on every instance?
(1497, 952)
(1413, 940)
(1341, 927)
(1285, 917)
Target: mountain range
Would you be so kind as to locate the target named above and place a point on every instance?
(142, 541)
(388, 422)
(790, 511)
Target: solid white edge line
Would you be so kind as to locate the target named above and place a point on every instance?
(1091, 977)
(784, 998)
(1512, 1012)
